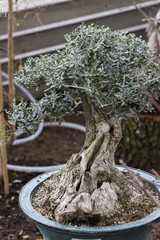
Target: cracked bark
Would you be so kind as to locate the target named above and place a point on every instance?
(90, 187)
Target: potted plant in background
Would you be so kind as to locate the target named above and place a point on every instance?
(106, 72)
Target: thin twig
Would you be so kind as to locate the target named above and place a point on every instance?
(141, 185)
(44, 200)
(150, 98)
(142, 12)
(148, 181)
(155, 173)
(68, 86)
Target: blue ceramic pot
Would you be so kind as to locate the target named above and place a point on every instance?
(51, 230)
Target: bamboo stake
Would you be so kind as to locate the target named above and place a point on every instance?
(1, 171)
(3, 142)
(11, 62)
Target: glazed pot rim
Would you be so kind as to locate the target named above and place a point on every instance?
(27, 209)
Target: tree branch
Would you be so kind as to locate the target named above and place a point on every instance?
(150, 98)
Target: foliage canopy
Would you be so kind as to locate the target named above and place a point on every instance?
(107, 66)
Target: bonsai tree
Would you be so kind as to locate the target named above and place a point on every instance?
(106, 73)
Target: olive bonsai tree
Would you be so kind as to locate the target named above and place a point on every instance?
(106, 73)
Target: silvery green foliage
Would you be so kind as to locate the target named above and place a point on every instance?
(107, 66)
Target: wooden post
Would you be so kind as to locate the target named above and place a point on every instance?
(3, 141)
(10, 52)
(11, 63)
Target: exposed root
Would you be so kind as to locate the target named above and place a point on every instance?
(80, 193)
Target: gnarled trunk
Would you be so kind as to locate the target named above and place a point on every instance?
(90, 187)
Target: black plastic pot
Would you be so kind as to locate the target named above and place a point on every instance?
(51, 230)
